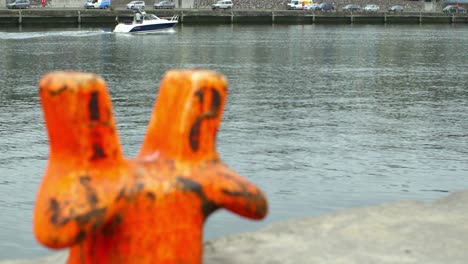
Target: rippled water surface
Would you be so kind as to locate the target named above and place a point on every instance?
(320, 117)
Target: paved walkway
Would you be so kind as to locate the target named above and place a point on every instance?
(403, 232)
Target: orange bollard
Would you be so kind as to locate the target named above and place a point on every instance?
(150, 209)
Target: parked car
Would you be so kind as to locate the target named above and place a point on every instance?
(311, 7)
(351, 8)
(293, 5)
(326, 7)
(136, 5)
(225, 4)
(164, 5)
(396, 8)
(372, 8)
(298, 4)
(17, 4)
(100, 4)
(453, 9)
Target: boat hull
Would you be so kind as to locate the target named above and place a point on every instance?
(145, 27)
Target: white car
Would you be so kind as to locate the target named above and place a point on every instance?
(164, 5)
(371, 8)
(311, 7)
(297, 5)
(136, 5)
(225, 4)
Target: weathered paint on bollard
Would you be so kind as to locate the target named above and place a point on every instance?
(150, 209)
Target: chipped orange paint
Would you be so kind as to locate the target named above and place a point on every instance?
(150, 209)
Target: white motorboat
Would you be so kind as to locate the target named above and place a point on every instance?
(149, 23)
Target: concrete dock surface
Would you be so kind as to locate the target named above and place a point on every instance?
(394, 233)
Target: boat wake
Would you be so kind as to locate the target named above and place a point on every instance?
(47, 34)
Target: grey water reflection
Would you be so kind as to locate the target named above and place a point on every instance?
(320, 117)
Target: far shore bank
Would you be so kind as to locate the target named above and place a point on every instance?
(80, 16)
(403, 232)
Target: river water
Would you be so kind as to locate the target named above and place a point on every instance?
(320, 117)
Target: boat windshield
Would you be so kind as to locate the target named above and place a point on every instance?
(150, 17)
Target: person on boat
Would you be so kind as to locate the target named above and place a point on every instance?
(138, 18)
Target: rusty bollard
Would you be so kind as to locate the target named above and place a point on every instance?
(150, 209)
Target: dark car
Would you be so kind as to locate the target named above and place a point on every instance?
(453, 9)
(351, 8)
(326, 7)
(396, 8)
(164, 5)
(16, 4)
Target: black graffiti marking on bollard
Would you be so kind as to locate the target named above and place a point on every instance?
(189, 185)
(95, 115)
(93, 106)
(98, 152)
(194, 136)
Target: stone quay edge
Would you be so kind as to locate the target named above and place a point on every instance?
(393, 233)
